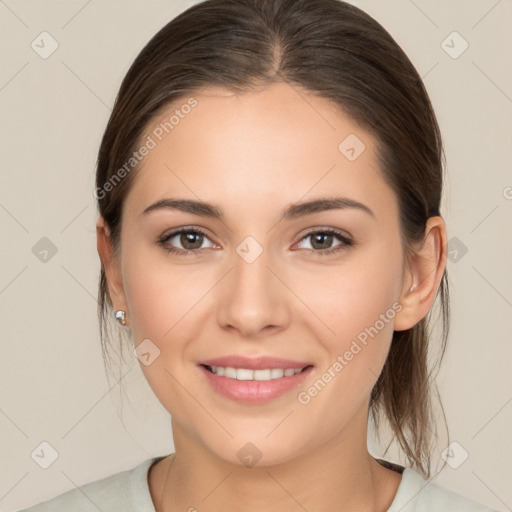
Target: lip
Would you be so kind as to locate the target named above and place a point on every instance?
(255, 363)
(254, 391)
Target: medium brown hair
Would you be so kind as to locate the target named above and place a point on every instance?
(335, 51)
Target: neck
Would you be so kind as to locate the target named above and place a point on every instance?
(337, 475)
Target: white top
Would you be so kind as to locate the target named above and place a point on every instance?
(128, 491)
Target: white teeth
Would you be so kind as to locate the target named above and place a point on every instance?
(243, 374)
(276, 373)
(262, 374)
(247, 374)
(230, 372)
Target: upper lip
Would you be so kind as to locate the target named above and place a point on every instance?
(254, 363)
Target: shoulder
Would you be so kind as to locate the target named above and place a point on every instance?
(415, 494)
(121, 492)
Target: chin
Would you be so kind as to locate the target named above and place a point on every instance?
(256, 451)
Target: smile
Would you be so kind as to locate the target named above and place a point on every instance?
(248, 374)
(254, 386)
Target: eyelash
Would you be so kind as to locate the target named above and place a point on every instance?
(346, 242)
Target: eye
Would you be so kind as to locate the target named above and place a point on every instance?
(190, 239)
(323, 240)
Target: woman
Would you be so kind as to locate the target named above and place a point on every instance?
(269, 186)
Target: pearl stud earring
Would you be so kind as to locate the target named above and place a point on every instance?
(120, 317)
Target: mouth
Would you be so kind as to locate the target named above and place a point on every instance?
(254, 386)
(263, 374)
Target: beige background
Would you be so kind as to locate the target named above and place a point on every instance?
(53, 112)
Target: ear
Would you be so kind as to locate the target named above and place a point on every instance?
(111, 265)
(422, 276)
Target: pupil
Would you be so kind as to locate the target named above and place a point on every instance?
(187, 238)
(322, 237)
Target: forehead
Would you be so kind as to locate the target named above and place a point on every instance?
(275, 145)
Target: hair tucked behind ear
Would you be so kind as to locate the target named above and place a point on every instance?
(336, 51)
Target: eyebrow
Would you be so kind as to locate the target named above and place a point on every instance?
(292, 211)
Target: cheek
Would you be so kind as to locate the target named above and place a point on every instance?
(160, 295)
(353, 295)
(356, 303)
(163, 302)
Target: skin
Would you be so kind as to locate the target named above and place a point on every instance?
(252, 155)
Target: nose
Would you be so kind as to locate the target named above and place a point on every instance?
(252, 300)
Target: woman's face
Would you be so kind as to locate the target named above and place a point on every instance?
(258, 281)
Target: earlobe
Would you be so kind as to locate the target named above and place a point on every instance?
(111, 265)
(423, 276)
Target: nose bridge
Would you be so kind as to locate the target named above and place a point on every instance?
(251, 298)
(251, 276)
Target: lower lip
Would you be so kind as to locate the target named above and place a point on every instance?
(254, 391)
